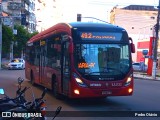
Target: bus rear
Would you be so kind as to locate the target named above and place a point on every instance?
(101, 62)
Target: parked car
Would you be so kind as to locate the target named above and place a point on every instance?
(16, 63)
(137, 66)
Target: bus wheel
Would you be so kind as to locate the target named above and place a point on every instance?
(32, 78)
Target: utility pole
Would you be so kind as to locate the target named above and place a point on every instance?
(155, 44)
(0, 35)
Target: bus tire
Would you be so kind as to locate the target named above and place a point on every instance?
(55, 88)
(32, 78)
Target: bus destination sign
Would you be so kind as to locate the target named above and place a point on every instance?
(100, 36)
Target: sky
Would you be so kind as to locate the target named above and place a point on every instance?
(97, 8)
(67, 10)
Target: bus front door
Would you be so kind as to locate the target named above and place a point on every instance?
(65, 69)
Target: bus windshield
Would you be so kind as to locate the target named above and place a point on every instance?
(102, 61)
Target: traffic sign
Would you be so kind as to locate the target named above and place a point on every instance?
(145, 52)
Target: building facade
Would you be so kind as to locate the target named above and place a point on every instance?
(15, 9)
(139, 22)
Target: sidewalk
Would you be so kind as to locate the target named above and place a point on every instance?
(4, 63)
(143, 75)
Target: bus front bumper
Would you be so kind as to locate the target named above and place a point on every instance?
(98, 93)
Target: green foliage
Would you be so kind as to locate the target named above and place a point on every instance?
(19, 40)
(7, 37)
(33, 34)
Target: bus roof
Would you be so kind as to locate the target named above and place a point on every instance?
(66, 27)
(89, 25)
(52, 30)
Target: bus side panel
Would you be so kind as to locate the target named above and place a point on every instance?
(48, 79)
(27, 70)
(30, 68)
(35, 72)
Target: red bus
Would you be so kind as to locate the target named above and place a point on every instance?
(81, 60)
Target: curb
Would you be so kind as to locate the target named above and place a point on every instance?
(4, 65)
(143, 77)
(146, 79)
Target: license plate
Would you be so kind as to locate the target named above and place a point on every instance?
(106, 92)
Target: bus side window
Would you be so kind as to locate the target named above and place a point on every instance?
(51, 53)
(37, 56)
(58, 55)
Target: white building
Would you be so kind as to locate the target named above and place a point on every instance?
(139, 21)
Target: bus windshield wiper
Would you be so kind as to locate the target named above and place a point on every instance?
(95, 73)
(106, 71)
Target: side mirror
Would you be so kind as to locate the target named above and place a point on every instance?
(1, 91)
(133, 50)
(71, 46)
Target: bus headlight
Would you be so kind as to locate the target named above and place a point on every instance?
(129, 79)
(76, 91)
(78, 80)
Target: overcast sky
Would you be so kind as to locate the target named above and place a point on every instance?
(97, 8)
(67, 10)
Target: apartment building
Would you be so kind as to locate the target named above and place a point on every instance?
(15, 8)
(139, 21)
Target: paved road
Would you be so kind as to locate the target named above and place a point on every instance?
(146, 97)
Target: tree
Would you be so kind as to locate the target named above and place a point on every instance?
(7, 38)
(33, 34)
(21, 39)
